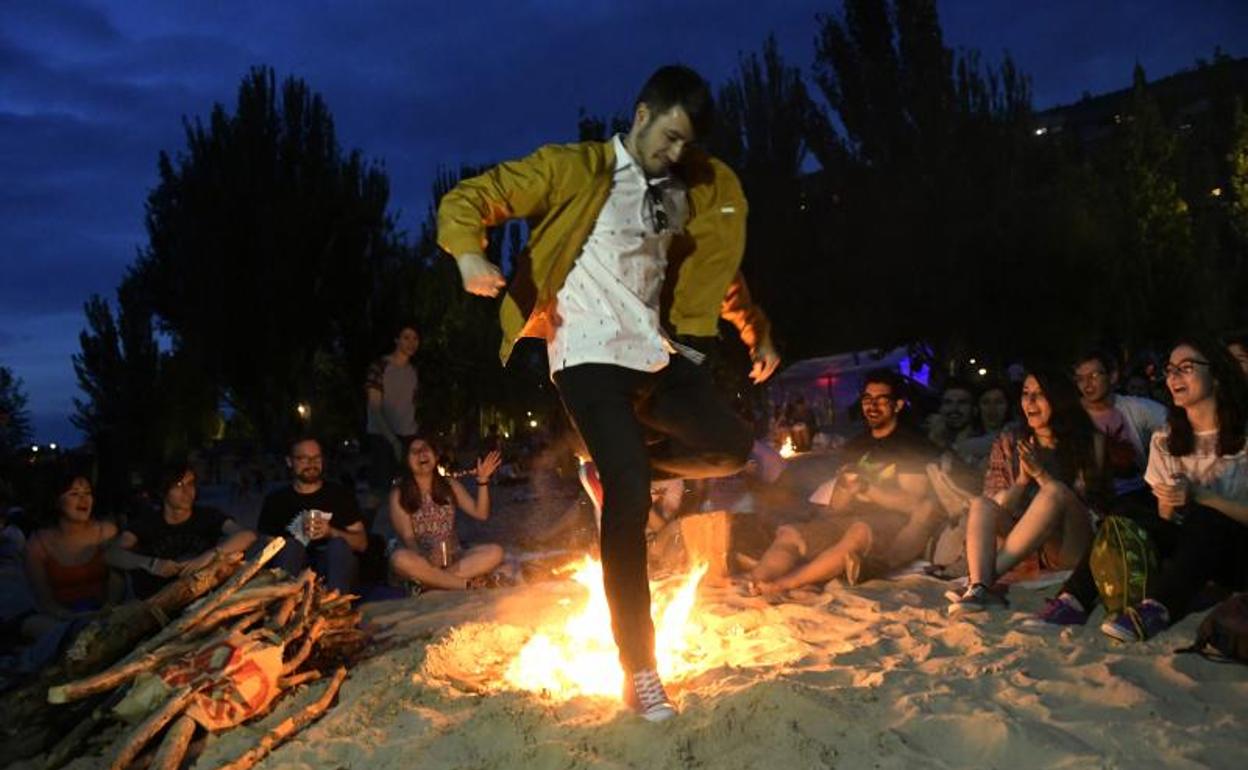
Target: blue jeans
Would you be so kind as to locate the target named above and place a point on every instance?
(332, 559)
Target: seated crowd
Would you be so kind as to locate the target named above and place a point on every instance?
(1036, 488)
(996, 477)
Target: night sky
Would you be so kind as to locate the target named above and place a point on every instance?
(90, 92)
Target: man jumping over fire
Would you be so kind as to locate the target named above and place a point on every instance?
(624, 233)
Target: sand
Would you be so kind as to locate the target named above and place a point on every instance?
(874, 677)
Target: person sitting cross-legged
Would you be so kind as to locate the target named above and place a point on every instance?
(426, 550)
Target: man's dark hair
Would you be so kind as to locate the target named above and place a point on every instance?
(406, 324)
(299, 439)
(679, 86)
(1238, 338)
(171, 473)
(896, 385)
(956, 384)
(1108, 362)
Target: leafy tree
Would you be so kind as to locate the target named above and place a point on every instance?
(266, 248)
(929, 189)
(14, 418)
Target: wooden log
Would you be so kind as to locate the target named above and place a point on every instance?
(67, 747)
(247, 622)
(245, 603)
(342, 622)
(173, 748)
(101, 644)
(119, 674)
(309, 639)
(303, 616)
(132, 745)
(284, 610)
(214, 600)
(289, 726)
(303, 677)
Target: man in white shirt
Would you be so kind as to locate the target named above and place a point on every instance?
(619, 372)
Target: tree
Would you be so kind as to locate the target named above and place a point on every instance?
(14, 418)
(930, 187)
(266, 247)
(1155, 272)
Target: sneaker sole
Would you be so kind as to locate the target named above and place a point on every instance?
(659, 713)
(1119, 634)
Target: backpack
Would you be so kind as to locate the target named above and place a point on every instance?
(1124, 563)
(1223, 634)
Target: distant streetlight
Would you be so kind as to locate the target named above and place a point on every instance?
(34, 447)
(1216, 192)
(532, 423)
(303, 410)
(983, 372)
(52, 446)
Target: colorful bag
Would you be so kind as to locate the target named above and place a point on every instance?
(1124, 563)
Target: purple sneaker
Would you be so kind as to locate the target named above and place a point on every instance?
(1136, 624)
(1057, 614)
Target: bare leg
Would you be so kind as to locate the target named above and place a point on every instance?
(827, 564)
(911, 541)
(780, 557)
(981, 539)
(411, 565)
(1042, 520)
(478, 560)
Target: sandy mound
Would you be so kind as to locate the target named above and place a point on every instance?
(875, 678)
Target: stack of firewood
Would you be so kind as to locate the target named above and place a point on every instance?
(209, 652)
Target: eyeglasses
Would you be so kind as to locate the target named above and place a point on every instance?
(1082, 379)
(655, 207)
(866, 400)
(1185, 368)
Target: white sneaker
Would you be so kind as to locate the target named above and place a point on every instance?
(644, 693)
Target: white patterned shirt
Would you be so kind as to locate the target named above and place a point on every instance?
(610, 301)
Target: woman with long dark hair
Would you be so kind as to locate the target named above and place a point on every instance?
(1198, 471)
(1039, 490)
(65, 561)
(422, 511)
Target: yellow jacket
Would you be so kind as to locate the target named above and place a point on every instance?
(560, 190)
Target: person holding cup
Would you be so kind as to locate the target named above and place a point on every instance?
(1198, 472)
(320, 520)
(426, 550)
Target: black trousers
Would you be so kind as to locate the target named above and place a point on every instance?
(614, 409)
(1210, 546)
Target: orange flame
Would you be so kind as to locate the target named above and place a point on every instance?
(788, 450)
(579, 657)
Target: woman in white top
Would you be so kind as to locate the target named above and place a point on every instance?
(1198, 471)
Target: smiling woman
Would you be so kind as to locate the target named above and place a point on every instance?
(65, 562)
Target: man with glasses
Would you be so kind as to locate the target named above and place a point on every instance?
(320, 520)
(879, 511)
(633, 242)
(1128, 422)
